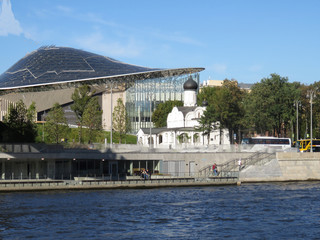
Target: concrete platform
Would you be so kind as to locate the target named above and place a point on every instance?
(47, 185)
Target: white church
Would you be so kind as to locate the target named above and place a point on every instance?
(181, 126)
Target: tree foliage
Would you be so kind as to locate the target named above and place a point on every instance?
(207, 122)
(120, 119)
(92, 117)
(56, 124)
(225, 106)
(159, 116)
(81, 98)
(269, 106)
(20, 123)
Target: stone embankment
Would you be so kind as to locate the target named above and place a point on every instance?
(287, 166)
(46, 185)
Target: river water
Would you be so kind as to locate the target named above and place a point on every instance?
(249, 211)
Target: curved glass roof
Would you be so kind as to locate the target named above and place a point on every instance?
(61, 65)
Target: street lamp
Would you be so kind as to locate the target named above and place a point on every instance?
(111, 91)
(311, 94)
(150, 133)
(297, 103)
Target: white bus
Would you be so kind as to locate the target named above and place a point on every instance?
(257, 144)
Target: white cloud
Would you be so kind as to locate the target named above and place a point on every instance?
(64, 9)
(91, 17)
(8, 23)
(255, 68)
(219, 68)
(97, 43)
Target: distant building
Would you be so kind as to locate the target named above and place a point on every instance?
(218, 83)
(212, 83)
(50, 75)
(182, 123)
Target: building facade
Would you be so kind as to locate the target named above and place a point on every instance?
(183, 128)
(50, 75)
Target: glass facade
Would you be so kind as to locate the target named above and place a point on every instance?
(145, 95)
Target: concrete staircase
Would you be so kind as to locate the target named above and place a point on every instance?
(231, 168)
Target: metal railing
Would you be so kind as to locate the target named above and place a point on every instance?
(39, 184)
(68, 147)
(232, 166)
(117, 176)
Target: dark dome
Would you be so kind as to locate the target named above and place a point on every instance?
(190, 84)
(205, 103)
(49, 65)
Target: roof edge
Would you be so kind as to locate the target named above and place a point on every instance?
(160, 73)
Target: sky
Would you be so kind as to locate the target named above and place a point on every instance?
(245, 40)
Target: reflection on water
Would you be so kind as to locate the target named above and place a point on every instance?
(249, 211)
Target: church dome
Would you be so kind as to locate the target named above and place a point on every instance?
(190, 84)
(204, 103)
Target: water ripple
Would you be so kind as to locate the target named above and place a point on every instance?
(251, 211)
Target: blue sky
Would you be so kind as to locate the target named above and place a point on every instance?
(246, 40)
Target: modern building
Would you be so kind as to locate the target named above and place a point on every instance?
(50, 75)
(183, 125)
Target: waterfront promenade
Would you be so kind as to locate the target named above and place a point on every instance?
(34, 168)
(86, 184)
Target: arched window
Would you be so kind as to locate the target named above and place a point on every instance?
(183, 138)
(196, 138)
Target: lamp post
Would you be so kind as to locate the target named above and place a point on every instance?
(150, 133)
(311, 94)
(111, 117)
(297, 103)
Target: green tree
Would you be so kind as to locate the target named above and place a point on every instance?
(230, 106)
(56, 124)
(92, 117)
(208, 94)
(207, 122)
(225, 107)
(81, 98)
(269, 106)
(120, 119)
(21, 123)
(159, 116)
(32, 112)
(128, 126)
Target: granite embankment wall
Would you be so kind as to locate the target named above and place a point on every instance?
(200, 159)
(288, 166)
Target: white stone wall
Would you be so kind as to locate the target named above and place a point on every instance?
(175, 119)
(190, 98)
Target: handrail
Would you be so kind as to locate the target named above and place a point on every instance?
(254, 159)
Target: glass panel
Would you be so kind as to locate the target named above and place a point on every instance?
(156, 90)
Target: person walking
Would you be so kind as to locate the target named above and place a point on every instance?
(214, 169)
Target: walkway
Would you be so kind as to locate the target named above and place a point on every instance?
(47, 185)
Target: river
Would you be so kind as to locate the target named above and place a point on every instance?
(249, 211)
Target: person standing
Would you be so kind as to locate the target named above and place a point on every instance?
(239, 163)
